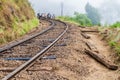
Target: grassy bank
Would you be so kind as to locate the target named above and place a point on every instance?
(112, 36)
(115, 41)
(67, 19)
(16, 19)
(19, 29)
(14, 10)
(78, 19)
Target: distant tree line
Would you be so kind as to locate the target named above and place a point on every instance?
(80, 19)
(92, 14)
(92, 17)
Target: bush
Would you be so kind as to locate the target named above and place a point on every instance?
(79, 19)
(116, 46)
(116, 25)
(82, 19)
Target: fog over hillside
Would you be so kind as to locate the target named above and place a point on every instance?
(109, 9)
(54, 6)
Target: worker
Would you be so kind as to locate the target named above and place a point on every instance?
(48, 16)
(53, 16)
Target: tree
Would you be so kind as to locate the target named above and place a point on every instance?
(92, 14)
(82, 19)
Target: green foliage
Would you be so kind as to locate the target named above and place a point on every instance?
(116, 46)
(118, 50)
(116, 25)
(93, 14)
(14, 10)
(113, 37)
(18, 29)
(16, 19)
(24, 27)
(112, 43)
(28, 25)
(82, 19)
(79, 19)
(67, 19)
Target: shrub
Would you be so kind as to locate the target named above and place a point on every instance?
(116, 25)
(79, 19)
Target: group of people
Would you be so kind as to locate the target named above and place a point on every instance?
(45, 16)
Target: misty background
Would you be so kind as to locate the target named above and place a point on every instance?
(108, 9)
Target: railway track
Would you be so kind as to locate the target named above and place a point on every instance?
(22, 55)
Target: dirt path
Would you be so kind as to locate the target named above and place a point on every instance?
(80, 66)
(98, 71)
(72, 63)
(83, 66)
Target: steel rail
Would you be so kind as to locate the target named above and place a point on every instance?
(29, 38)
(29, 62)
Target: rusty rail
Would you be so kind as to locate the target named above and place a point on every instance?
(29, 62)
(24, 40)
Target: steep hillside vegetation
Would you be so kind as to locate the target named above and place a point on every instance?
(112, 35)
(16, 18)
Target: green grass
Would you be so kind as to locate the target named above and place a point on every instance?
(79, 19)
(17, 30)
(113, 37)
(16, 19)
(67, 19)
(114, 42)
(27, 26)
(116, 46)
(115, 25)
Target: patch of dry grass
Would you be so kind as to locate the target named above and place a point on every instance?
(16, 19)
(15, 32)
(112, 36)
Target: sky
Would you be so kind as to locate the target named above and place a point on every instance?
(109, 9)
(53, 6)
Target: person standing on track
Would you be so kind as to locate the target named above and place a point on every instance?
(53, 16)
(48, 16)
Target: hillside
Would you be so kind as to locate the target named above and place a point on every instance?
(16, 19)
